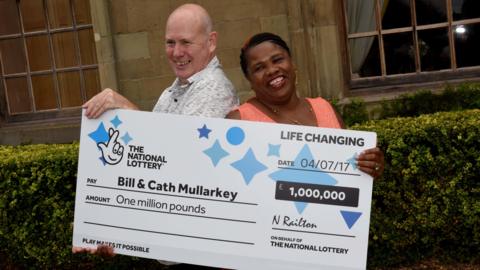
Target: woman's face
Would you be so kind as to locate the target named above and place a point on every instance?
(271, 73)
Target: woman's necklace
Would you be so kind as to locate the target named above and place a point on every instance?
(276, 112)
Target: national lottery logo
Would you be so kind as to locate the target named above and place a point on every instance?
(112, 151)
(112, 143)
(114, 146)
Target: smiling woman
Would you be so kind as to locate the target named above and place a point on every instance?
(267, 64)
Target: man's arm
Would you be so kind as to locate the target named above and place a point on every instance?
(106, 100)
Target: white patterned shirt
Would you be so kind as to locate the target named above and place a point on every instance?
(208, 93)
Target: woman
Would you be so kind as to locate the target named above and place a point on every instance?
(267, 64)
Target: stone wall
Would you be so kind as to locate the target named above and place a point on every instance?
(129, 37)
(130, 42)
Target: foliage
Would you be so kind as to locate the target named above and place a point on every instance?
(466, 96)
(355, 112)
(426, 204)
(37, 195)
(462, 97)
(428, 200)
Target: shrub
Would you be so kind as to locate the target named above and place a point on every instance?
(428, 200)
(37, 195)
(466, 96)
(426, 204)
(355, 112)
(462, 97)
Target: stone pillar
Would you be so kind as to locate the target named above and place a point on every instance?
(103, 43)
(314, 27)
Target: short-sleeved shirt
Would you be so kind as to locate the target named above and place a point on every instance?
(208, 93)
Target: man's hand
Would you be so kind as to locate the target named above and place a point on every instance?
(106, 100)
(112, 151)
(101, 250)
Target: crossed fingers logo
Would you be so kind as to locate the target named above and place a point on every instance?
(112, 150)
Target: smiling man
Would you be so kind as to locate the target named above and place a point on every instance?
(201, 87)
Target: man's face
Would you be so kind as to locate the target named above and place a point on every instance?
(189, 48)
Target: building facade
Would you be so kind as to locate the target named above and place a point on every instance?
(55, 54)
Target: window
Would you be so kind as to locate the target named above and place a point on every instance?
(403, 41)
(48, 63)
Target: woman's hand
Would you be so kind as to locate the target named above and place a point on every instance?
(371, 161)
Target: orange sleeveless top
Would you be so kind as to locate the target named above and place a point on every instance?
(326, 116)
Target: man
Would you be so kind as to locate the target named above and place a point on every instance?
(201, 87)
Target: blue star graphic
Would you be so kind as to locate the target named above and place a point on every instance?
(116, 121)
(353, 161)
(203, 132)
(249, 166)
(103, 161)
(126, 138)
(274, 150)
(216, 153)
(299, 174)
(100, 134)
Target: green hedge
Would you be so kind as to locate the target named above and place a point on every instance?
(461, 97)
(37, 195)
(426, 204)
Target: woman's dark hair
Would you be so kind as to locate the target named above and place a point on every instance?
(254, 41)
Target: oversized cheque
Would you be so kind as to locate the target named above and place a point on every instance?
(225, 193)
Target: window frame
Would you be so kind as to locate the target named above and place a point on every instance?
(383, 81)
(51, 114)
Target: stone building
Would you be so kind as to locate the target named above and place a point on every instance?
(55, 54)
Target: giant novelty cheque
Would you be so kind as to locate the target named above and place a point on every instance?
(223, 193)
